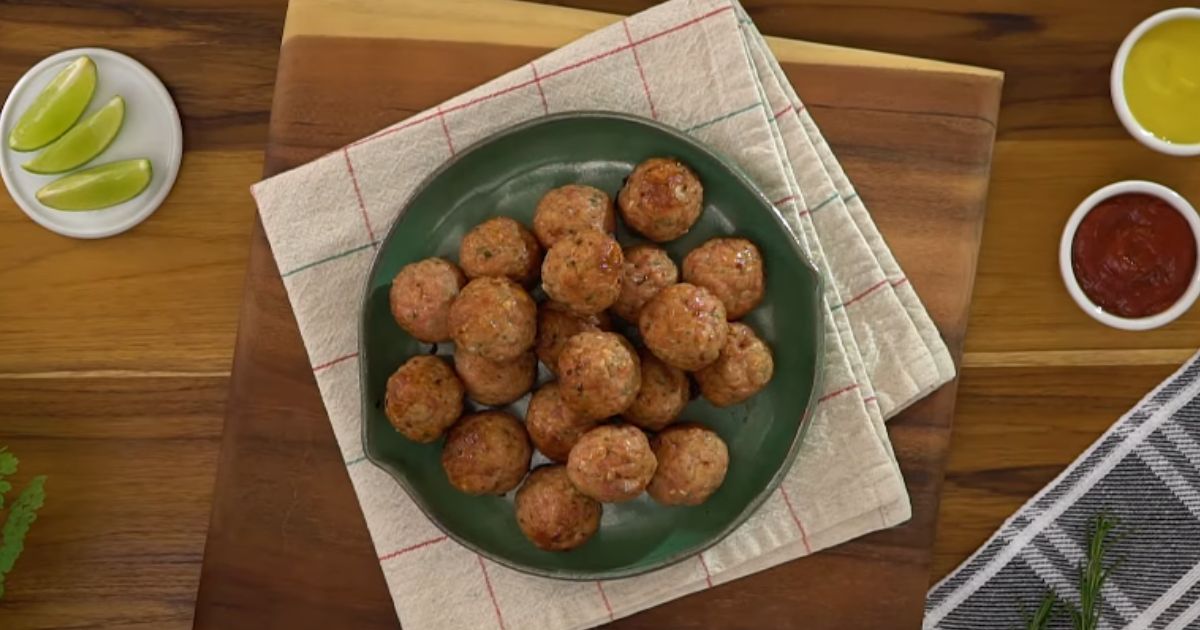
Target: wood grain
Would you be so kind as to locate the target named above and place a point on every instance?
(1015, 430)
(275, 563)
(161, 298)
(286, 511)
(115, 354)
(129, 464)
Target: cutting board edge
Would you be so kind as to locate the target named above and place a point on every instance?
(512, 22)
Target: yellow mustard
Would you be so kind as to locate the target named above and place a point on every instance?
(1162, 81)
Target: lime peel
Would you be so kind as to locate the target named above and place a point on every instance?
(56, 108)
(98, 187)
(83, 142)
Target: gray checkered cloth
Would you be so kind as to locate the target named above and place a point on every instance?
(1144, 473)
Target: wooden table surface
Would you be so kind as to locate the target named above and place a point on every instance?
(114, 355)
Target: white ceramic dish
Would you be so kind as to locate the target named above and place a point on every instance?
(151, 130)
(1117, 84)
(1068, 273)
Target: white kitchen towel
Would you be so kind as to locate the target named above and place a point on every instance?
(697, 65)
(862, 266)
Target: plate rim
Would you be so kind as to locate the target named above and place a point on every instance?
(755, 502)
(151, 205)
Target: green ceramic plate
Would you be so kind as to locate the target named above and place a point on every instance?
(506, 174)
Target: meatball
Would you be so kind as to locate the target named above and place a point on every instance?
(554, 515)
(599, 374)
(495, 382)
(661, 199)
(502, 248)
(664, 393)
(612, 463)
(692, 460)
(486, 453)
(423, 398)
(421, 295)
(732, 268)
(684, 325)
(647, 270)
(553, 428)
(583, 272)
(556, 324)
(570, 209)
(494, 318)
(743, 369)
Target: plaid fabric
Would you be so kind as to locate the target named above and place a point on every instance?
(699, 66)
(1144, 472)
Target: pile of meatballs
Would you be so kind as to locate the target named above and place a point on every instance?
(593, 420)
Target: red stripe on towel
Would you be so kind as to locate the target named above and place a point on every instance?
(492, 594)
(362, 207)
(796, 519)
(641, 71)
(604, 596)
(327, 364)
(400, 552)
(868, 291)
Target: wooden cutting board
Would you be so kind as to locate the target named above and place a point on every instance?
(288, 546)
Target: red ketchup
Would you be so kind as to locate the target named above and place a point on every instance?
(1134, 255)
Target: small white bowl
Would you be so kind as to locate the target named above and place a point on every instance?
(151, 130)
(1117, 84)
(1068, 272)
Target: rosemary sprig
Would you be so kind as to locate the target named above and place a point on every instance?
(1092, 576)
(1041, 618)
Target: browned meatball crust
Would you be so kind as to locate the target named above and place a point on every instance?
(553, 427)
(570, 209)
(494, 318)
(599, 374)
(663, 395)
(684, 325)
(421, 295)
(646, 271)
(554, 515)
(501, 247)
(743, 369)
(612, 463)
(661, 199)
(692, 462)
(486, 453)
(423, 398)
(732, 268)
(557, 324)
(495, 382)
(583, 271)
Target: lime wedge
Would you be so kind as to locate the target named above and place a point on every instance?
(97, 187)
(57, 107)
(83, 142)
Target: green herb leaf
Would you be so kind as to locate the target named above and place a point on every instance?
(1041, 618)
(20, 516)
(8, 463)
(1092, 576)
(8, 466)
